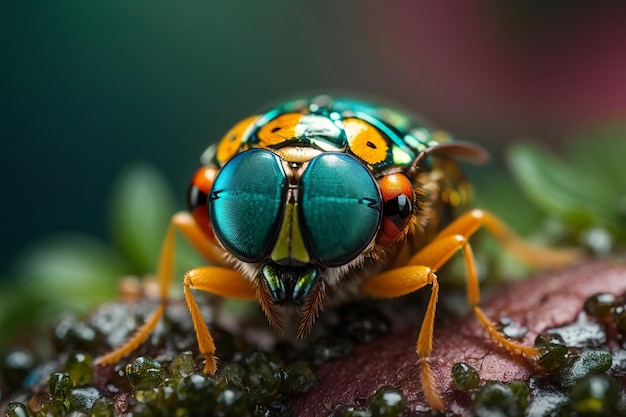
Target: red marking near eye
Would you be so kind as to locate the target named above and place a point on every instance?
(199, 189)
(397, 194)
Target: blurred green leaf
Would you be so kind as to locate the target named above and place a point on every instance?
(586, 189)
(600, 151)
(58, 274)
(73, 270)
(558, 188)
(141, 207)
(516, 210)
(19, 308)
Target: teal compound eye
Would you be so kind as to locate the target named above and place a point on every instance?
(246, 204)
(340, 208)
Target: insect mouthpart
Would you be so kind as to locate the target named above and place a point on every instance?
(286, 282)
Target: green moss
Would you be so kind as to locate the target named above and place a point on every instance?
(297, 378)
(103, 407)
(254, 382)
(587, 364)
(328, 348)
(552, 352)
(231, 402)
(595, 395)
(493, 397)
(79, 367)
(16, 409)
(182, 366)
(387, 401)
(197, 392)
(145, 373)
(600, 305)
(15, 366)
(464, 376)
(60, 384)
(83, 398)
(362, 323)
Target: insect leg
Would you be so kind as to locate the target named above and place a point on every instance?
(204, 244)
(402, 281)
(421, 271)
(473, 298)
(533, 255)
(225, 282)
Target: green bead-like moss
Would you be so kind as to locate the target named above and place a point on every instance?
(231, 402)
(261, 362)
(102, 408)
(464, 376)
(16, 409)
(84, 398)
(260, 381)
(595, 395)
(552, 352)
(233, 374)
(145, 373)
(362, 323)
(600, 305)
(548, 401)
(277, 409)
(387, 401)
(521, 392)
(183, 365)
(15, 366)
(144, 410)
(79, 368)
(497, 397)
(60, 385)
(165, 398)
(54, 408)
(76, 413)
(328, 348)
(297, 378)
(261, 388)
(197, 392)
(588, 363)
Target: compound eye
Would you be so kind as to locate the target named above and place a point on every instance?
(397, 194)
(340, 208)
(246, 203)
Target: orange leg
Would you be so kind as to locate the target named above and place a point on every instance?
(538, 256)
(421, 268)
(225, 281)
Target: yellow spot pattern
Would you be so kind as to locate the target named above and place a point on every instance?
(279, 130)
(231, 142)
(365, 141)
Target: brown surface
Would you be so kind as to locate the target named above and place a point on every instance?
(551, 299)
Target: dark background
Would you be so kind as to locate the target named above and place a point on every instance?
(88, 87)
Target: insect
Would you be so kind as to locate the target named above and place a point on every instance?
(322, 198)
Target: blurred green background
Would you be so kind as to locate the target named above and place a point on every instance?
(89, 87)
